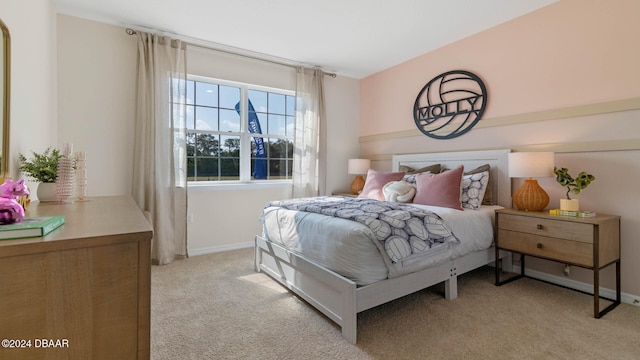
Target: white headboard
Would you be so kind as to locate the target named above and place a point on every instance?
(497, 159)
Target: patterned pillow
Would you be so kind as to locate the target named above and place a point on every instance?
(411, 178)
(488, 194)
(473, 188)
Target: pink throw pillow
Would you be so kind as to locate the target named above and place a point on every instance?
(375, 181)
(440, 189)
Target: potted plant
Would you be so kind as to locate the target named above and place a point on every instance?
(43, 169)
(573, 186)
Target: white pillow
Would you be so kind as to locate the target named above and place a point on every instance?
(398, 191)
(473, 189)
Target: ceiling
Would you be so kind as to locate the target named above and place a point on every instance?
(354, 38)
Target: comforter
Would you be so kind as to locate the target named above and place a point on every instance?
(369, 240)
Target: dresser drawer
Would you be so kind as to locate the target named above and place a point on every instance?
(569, 230)
(573, 252)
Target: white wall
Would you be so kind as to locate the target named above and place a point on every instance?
(343, 111)
(31, 25)
(96, 100)
(96, 109)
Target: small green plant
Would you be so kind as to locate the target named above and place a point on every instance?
(573, 185)
(42, 167)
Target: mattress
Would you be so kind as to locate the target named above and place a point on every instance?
(350, 248)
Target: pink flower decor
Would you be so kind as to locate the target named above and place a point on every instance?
(10, 210)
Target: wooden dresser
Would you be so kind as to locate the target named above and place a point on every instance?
(84, 290)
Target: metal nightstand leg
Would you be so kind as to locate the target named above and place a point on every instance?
(516, 277)
(596, 293)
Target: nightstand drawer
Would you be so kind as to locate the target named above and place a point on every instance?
(573, 252)
(548, 227)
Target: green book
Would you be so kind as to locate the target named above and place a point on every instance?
(31, 227)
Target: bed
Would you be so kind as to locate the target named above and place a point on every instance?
(340, 295)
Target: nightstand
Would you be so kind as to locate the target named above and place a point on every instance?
(591, 243)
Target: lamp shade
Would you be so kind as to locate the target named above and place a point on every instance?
(531, 164)
(359, 166)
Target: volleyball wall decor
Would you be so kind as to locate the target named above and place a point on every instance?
(450, 104)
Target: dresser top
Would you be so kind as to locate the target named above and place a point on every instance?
(97, 222)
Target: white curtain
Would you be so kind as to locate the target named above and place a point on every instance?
(309, 156)
(159, 173)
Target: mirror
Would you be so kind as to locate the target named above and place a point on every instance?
(5, 68)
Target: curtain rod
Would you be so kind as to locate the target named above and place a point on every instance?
(333, 75)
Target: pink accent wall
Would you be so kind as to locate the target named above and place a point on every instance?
(570, 53)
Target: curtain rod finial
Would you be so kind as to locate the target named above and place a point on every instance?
(130, 31)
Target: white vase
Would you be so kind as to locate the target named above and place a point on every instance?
(569, 204)
(46, 192)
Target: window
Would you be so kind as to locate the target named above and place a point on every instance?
(238, 132)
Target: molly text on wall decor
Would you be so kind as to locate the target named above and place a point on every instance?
(450, 104)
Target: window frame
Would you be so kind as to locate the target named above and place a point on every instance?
(246, 138)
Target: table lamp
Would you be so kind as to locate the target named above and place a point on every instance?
(530, 196)
(358, 167)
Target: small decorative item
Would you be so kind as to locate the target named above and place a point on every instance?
(573, 186)
(81, 175)
(64, 182)
(10, 210)
(43, 169)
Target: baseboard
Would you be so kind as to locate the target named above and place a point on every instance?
(578, 285)
(221, 248)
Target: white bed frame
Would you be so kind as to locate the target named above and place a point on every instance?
(340, 299)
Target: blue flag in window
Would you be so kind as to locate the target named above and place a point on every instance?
(260, 165)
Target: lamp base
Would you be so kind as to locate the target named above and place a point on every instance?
(357, 185)
(530, 196)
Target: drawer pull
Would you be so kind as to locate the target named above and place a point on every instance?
(539, 226)
(539, 246)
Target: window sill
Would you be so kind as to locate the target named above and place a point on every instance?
(211, 186)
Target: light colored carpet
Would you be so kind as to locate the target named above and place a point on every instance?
(216, 307)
